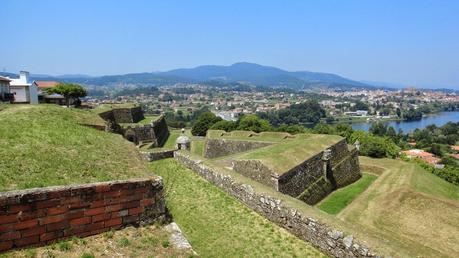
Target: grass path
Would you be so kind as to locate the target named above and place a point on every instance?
(218, 225)
(339, 199)
(411, 207)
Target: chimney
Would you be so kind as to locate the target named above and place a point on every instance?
(24, 76)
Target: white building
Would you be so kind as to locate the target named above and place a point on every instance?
(4, 89)
(23, 90)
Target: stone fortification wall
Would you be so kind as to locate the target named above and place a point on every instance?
(310, 181)
(156, 132)
(255, 170)
(221, 147)
(44, 215)
(157, 155)
(161, 130)
(123, 115)
(327, 239)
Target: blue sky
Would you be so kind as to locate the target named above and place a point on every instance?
(405, 42)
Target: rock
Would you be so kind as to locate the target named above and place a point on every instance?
(331, 243)
(335, 234)
(347, 241)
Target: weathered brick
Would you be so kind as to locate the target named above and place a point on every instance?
(132, 204)
(100, 217)
(113, 222)
(48, 203)
(57, 210)
(52, 219)
(4, 219)
(11, 235)
(103, 188)
(97, 203)
(78, 205)
(80, 221)
(94, 211)
(27, 241)
(59, 193)
(33, 214)
(135, 211)
(94, 226)
(6, 227)
(115, 207)
(73, 214)
(33, 231)
(6, 245)
(17, 208)
(26, 224)
(50, 236)
(115, 193)
(57, 226)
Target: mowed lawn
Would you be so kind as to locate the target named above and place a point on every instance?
(218, 225)
(339, 199)
(44, 145)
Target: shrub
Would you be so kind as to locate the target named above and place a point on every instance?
(204, 122)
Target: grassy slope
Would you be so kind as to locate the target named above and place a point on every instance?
(409, 206)
(284, 153)
(220, 226)
(45, 145)
(339, 199)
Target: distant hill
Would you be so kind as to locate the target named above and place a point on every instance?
(243, 73)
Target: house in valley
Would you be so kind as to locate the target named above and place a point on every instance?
(45, 97)
(22, 90)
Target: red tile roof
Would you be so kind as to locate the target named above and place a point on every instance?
(46, 84)
(454, 147)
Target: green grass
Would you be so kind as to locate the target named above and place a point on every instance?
(283, 156)
(217, 225)
(44, 145)
(197, 147)
(339, 199)
(145, 121)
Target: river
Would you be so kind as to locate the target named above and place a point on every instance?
(438, 119)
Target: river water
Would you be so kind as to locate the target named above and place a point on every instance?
(438, 119)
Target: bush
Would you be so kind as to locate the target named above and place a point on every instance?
(375, 146)
(254, 123)
(224, 125)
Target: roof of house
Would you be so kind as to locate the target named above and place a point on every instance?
(4, 79)
(46, 84)
(455, 147)
(418, 153)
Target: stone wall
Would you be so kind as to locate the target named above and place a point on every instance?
(157, 155)
(310, 181)
(123, 115)
(221, 147)
(44, 215)
(255, 170)
(156, 132)
(323, 237)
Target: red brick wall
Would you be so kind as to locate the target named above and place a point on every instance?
(44, 215)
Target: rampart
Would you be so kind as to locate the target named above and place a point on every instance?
(123, 115)
(311, 180)
(155, 132)
(330, 241)
(221, 147)
(41, 216)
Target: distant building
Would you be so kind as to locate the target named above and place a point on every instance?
(421, 154)
(5, 94)
(43, 95)
(23, 91)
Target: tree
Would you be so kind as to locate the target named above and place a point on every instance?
(253, 123)
(379, 129)
(228, 126)
(204, 122)
(69, 90)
